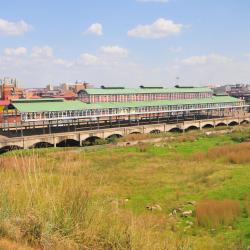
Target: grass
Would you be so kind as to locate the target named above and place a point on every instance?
(214, 213)
(97, 199)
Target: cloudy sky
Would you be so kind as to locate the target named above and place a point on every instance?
(125, 42)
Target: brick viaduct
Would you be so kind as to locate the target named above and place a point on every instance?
(80, 136)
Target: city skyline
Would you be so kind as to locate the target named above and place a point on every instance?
(125, 42)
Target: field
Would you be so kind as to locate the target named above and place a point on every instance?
(190, 192)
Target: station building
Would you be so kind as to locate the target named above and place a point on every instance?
(143, 93)
(110, 107)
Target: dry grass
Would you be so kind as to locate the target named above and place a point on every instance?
(97, 199)
(235, 153)
(6, 244)
(213, 213)
(44, 204)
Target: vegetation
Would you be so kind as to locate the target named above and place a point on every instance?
(190, 192)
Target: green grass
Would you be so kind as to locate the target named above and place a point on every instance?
(80, 198)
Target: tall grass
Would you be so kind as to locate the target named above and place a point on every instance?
(214, 213)
(235, 153)
(44, 204)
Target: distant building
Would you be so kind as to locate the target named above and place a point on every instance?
(241, 91)
(9, 89)
(142, 93)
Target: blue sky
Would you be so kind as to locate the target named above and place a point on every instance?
(125, 41)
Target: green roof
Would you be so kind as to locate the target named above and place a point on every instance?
(145, 90)
(211, 100)
(47, 104)
(63, 105)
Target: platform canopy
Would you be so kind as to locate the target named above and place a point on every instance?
(58, 104)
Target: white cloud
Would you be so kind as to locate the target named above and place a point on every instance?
(8, 28)
(62, 62)
(104, 68)
(42, 52)
(20, 51)
(153, 1)
(159, 29)
(95, 29)
(115, 51)
(206, 59)
(89, 59)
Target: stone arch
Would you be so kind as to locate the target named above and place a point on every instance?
(42, 144)
(208, 125)
(90, 141)
(113, 137)
(155, 131)
(233, 123)
(68, 143)
(9, 148)
(192, 127)
(221, 124)
(135, 133)
(244, 122)
(175, 130)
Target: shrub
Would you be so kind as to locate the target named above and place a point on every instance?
(143, 147)
(214, 213)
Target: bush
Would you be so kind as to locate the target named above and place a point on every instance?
(214, 213)
(142, 147)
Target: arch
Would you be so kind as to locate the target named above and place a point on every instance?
(135, 133)
(221, 124)
(42, 144)
(9, 148)
(68, 143)
(208, 125)
(113, 137)
(90, 141)
(244, 122)
(233, 123)
(155, 131)
(192, 127)
(175, 130)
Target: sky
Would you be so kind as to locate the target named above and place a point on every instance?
(125, 42)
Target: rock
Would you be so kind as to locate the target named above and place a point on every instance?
(187, 213)
(190, 223)
(179, 210)
(193, 203)
(173, 213)
(155, 207)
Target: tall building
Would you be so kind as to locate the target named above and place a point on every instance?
(10, 89)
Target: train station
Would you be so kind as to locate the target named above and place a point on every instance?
(116, 107)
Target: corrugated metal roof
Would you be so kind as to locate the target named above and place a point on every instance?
(43, 105)
(212, 100)
(151, 90)
(63, 105)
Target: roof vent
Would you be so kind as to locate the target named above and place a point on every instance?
(150, 87)
(104, 87)
(184, 87)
